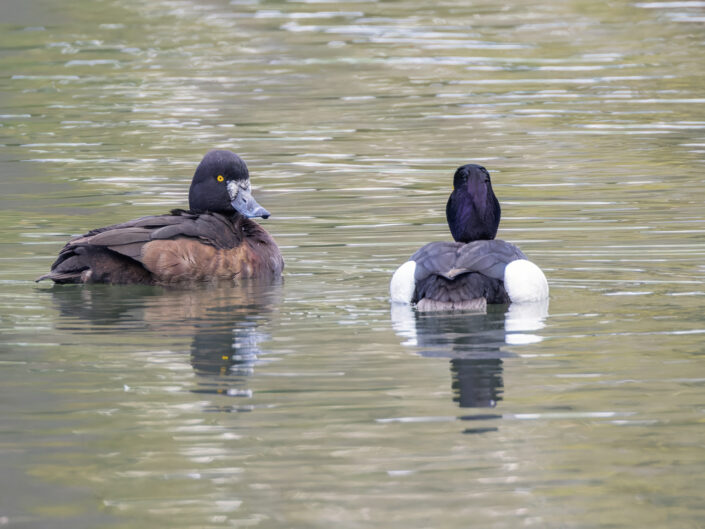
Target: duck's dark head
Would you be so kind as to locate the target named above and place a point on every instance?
(473, 210)
(221, 184)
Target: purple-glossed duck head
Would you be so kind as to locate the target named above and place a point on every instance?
(473, 210)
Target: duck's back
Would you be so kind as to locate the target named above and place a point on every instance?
(165, 249)
(455, 275)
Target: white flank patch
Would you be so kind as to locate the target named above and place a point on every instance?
(525, 282)
(403, 284)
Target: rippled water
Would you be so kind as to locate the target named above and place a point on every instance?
(311, 403)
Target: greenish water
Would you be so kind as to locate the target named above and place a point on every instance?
(311, 404)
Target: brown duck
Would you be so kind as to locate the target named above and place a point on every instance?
(214, 240)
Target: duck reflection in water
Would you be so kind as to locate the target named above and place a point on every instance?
(225, 358)
(474, 343)
(223, 324)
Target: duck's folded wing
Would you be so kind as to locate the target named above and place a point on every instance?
(452, 259)
(129, 238)
(127, 241)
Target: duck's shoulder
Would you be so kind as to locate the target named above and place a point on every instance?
(434, 253)
(214, 229)
(489, 257)
(451, 259)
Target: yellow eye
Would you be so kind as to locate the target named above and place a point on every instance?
(220, 178)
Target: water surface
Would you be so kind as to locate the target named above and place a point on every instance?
(311, 403)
